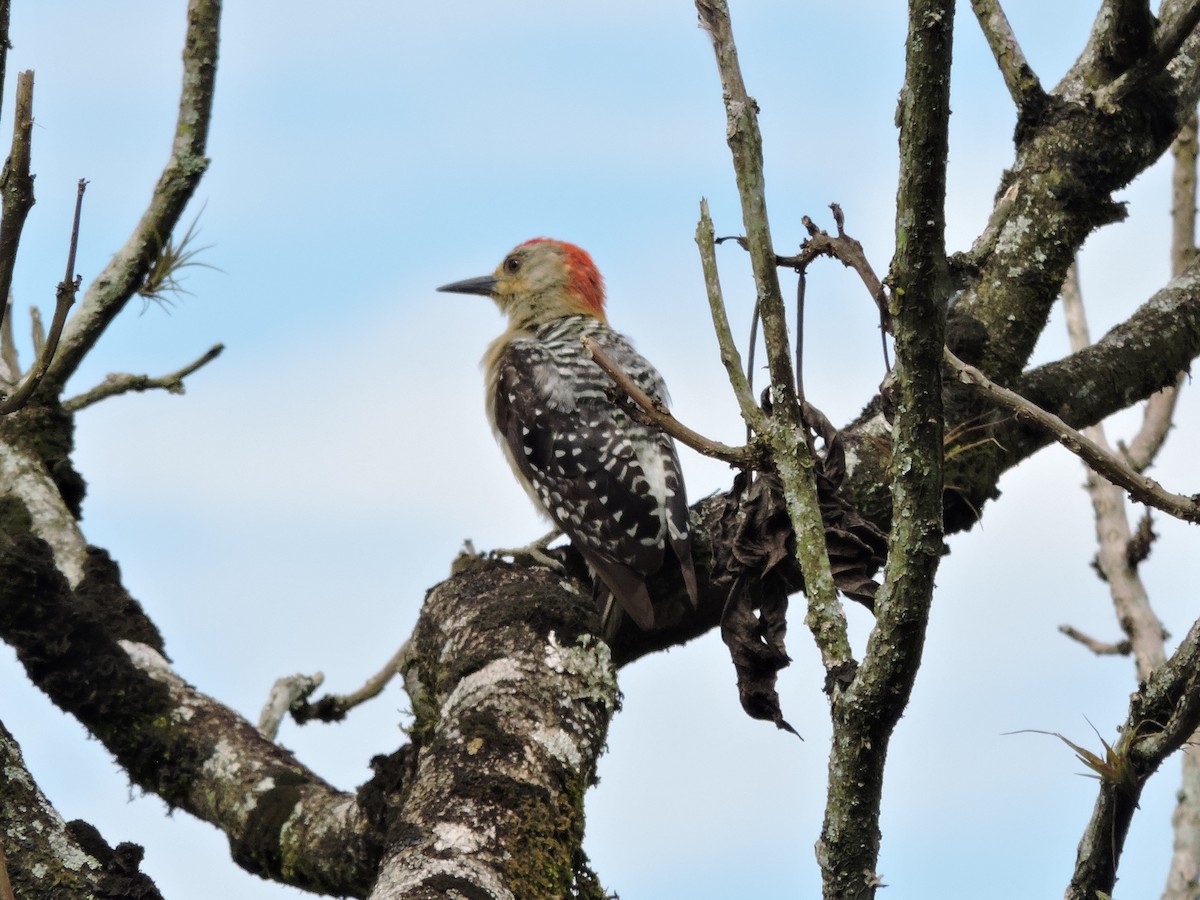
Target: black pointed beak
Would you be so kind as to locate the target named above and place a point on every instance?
(485, 286)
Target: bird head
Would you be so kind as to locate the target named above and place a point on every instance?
(539, 281)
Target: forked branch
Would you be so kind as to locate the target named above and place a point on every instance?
(127, 272)
(63, 301)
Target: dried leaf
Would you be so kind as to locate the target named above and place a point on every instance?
(755, 555)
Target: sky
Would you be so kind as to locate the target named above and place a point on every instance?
(289, 513)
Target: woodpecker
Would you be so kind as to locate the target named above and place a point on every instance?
(611, 483)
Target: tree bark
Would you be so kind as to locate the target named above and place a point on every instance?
(512, 693)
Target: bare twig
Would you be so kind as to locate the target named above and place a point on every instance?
(1100, 648)
(1183, 195)
(16, 184)
(1143, 489)
(1159, 411)
(1022, 82)
(745, 145)
(801, 286)
(63, 301)
(5, 43)
(657, 415)
(849, 252)
(842, 247)
(122, 383)
(333, 707)
(753, 415)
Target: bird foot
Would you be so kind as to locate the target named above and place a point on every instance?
(535, 551)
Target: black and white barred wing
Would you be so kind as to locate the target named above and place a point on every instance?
(611, 484)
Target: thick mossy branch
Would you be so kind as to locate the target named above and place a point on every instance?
(1133, 360)
(503, 758)
(1089, 142)
(865, 715)
(94, 653)
(45, 857)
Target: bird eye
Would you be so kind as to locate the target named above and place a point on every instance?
(512, 264)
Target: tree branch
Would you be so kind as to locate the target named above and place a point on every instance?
(785, 434)
(1159, 411)
(286, 694)
(1167, 43)
(122, 383)
(752, 413)
(333, 707)
(5, 44)
(845, 249)
(1014, 271)
(745, 145)
(516, 691)
(1143, 489)
(1134, 360)
(283, 822)
(10, 365)
(43, 856)
(1113, 534)
(16, 183)
(1022, 82)
(866, 714)
(1162, 716)
(1100, 648)
(63, 301)
(108, 294)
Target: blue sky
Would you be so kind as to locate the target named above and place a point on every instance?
(290, 511)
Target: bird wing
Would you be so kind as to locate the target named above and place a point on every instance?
(617, 348)
(579, 456)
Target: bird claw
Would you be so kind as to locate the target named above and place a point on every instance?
(535, 551)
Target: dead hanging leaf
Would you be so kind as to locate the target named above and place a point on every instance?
(755, 555)
(755, 642)
(857, 549)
